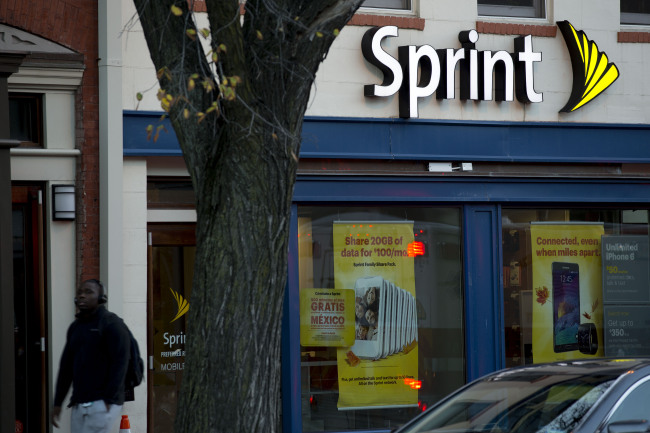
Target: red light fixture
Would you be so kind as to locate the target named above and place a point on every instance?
(415, 249)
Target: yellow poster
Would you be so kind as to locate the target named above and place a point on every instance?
(380, 369)
(567, 298)
(326, 317)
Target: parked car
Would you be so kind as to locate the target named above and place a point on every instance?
(594, 396)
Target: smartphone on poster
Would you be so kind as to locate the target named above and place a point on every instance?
(370, 309)
(566, 306)
(387, 322)
(399, 328)
(406, 320)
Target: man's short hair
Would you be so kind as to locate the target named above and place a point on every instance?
(100, 288)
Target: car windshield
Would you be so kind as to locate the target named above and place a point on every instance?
(517, 403)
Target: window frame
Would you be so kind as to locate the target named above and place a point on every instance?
(538, 10)
(160, 197)
(390, 5)
(36, 111)
(339, 211)
(614, 217)
(634, 18)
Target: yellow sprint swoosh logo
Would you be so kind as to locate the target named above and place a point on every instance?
(183, 305)
(592, 70)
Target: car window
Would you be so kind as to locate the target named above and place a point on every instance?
(635, 405)
(567, 419)
(516, 404)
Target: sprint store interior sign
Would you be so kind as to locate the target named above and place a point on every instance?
(509, 74)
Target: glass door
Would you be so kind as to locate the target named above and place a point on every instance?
(171, 264)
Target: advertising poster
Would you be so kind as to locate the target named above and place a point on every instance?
(626, 294)
(380, 368)
(326, 317)
(627, 330)
(625, 269)
(567, 291)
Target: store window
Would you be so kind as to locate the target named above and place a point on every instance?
(388, 4)
(512, 8)
(635, 12)
(576, 284)
(163, 193)
(381, 311)
(26, 119)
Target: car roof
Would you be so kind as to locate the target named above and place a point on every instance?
(621, 371)
(580, 367)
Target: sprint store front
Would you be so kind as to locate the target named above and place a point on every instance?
(404, 285)
(427, 251)
(407, 288)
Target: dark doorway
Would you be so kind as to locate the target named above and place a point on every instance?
(29, 309)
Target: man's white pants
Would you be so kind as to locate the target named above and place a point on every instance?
(93, 417)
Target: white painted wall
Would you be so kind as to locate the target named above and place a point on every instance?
(134, 241)
(59, 120)
(340, 79)
(138, 72)
(61, 265)
(110, 151)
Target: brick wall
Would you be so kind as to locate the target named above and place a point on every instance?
(73, 24)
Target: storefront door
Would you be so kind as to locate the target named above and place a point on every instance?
(29, 309)
(171, 264)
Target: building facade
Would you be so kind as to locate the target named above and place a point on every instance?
(479, 133)
(57, 62)
(465, 176)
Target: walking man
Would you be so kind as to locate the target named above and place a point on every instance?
(94, 361)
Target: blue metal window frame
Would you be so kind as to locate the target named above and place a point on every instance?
(484, 335)
(437, 140)
(481, 199)
(291, 409)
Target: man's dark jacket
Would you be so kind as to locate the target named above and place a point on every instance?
(94, 360)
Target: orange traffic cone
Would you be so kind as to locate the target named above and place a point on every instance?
(125, 426)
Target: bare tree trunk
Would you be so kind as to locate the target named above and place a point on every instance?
(242, 157)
